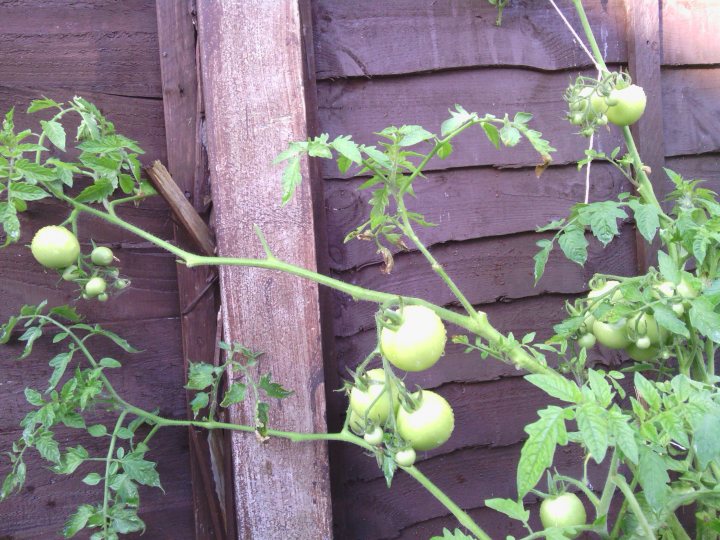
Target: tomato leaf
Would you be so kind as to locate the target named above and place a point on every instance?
(54, 132)
(291, 179)
(556, 386)
(512, 509)
(704, 318)
(668, 320)
(647, 218)
(653, 477)
(706, 442)
(574, 245)
(541, 258)
(539, 449)
(348, 149)
(593, 427)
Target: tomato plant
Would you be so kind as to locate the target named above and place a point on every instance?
(658, 445)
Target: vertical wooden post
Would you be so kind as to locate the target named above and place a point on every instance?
(644, 63)
(254, 67)
(198, 305)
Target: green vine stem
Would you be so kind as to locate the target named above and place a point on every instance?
(634, 506)
(108, 462)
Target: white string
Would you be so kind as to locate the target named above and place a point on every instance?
(577, 37)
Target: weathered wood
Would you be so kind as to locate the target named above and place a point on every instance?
(486, 270)
(705, 167)
(253, 63)
(363, 107)
(691, 115)
(148, 379)
(198, 298)
(644, 58)
(468, 203)
(183, 211)
(104, 46)
(689, 32)
(364, 39)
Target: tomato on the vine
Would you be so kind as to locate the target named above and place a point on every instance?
(406, 457)
(587, 341)
(430, 424)
(564, 510)
(374, 436)
(102, 256)
(373, 403)
(642, 355)
(624, 106)
(55, 247)
(612, 335)
(644, 325)
(606, 288)
(419, 341)
(95, 286)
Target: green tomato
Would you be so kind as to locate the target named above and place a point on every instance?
(679, 309)
(95, 286)
(644, 324)
(406, 458)
(664, 289)
(630, 105)
(355, 423)
(643, 342)
(612, 335)
(102, 297)
(375, 436)
(686, 290)
(102, 256)
(418, 343)
(429, 425)
(565, 510)
(609, 285)
(55, 247)
(642, 355)
(373, 403)
(587, 341)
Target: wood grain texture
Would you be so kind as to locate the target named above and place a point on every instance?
(366, 39)
(84, 46)
(689, 32)
(148, 379)
(197, 287)
(486, 270)
(253, 71)
(363, 107)
(468, 203)
(691, 114)
(644, 59)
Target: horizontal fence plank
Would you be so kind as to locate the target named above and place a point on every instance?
(103, 46)
(706, 167)
(689, 29)
(362, 39)
(149, 379)
(363, 107)
(468, 203)
(691, 112)
(486, 270)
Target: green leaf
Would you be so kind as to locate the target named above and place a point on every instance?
(704, 318)
(117, 340)
(647, 391)
(199, 402)
(140, 470)
(48, 447)
(98, 430)
(512, 509)
(509, 135)
(60, 363)
(272, 389)
(40, 104)
(412, 135)
(348, 149)
(27, 192)
(457, 534)
(458, 117)
(624, 435)
(66, 312)
(556, 386)
(653, 477)
(34, 397)
(92, 479)
(668, 268)
(522, 118)
(110, 363)
(377, 156)
(492, 133)
(201, 376)
(235, 394)
(101, 189)
(54, 132)
(444, 150)
(541, 258)
(291, 179)
(593, 427)
(574, 245)
(34, 172)
(71, 460)
(602, 218)
(666, 318)
(261, 416)
(706, 442)
(539, 450)
(78, 520)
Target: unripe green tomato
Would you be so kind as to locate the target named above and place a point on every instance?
(686, 290)
(643, 342)
(587, 324)
(95, 286)
(55, 247)
(587, 341)
(665, 355)
(602, 120)
(678, 309)
(428, 426)
(612, 335)
(565, 510)
(102, 256)
(609, 285)
(419, 341)
(367, 404)
(355, 423)
(576, 118)
(664, 289)
(406, 458)
(642, 355)
(644, 324)
(630, 105)
(103, 297)
(121, 283)
(375, 436)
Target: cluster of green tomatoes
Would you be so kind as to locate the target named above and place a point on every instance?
(613, 99)
(398, 422)
(633, 328)
(58, 248)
